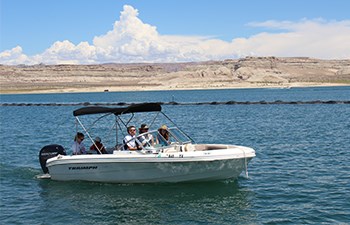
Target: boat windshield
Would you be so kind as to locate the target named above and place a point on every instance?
(179, 136)
(155, 139)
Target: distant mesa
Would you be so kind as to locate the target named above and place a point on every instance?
(249, 72)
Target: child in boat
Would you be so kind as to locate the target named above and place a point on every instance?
(98, 146)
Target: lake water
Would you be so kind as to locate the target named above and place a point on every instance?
(301, 174)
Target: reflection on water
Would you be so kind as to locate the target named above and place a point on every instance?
(151, 203)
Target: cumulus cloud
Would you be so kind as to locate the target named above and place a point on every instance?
(67, 52)
(313, 38)
(132, 40)
(14, 56)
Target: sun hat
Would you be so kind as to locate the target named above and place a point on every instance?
(144, 126)
(97, 139)
(164, 127)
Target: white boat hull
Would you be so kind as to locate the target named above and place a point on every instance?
(136, 167)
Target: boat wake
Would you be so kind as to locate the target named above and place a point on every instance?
(43, 176)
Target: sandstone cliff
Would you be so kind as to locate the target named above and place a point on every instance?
(246, 72)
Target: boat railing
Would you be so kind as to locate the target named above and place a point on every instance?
(175, 136)
(153, 141)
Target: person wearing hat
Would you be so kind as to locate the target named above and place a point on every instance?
(163, 135)
(146, 140)
(98, 146)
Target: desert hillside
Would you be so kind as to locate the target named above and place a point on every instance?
(240, 73)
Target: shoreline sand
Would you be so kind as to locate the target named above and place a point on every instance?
(132, 89)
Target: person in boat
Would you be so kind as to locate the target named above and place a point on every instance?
(163, 135)
(98, 146)
(146, 140)
(130, 140)
(78, 145)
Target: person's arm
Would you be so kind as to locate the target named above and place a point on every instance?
(127, 140)
(82, 148)
(152, 139)
(75, 149)
(130, 147)
(103, 149)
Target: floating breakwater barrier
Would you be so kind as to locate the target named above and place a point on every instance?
(278, 102)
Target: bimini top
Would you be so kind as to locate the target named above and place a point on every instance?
(145, 107)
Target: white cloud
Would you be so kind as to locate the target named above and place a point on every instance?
(14, 56)
(67, 52)
(131, 40)
(313, 38)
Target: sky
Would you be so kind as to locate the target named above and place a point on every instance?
(151, 31)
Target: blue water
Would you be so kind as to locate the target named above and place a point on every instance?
(301, 174)
(294, 94)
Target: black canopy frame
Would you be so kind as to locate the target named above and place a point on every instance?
(133, 108)
(118, 112)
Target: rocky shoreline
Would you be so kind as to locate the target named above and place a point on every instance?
(249, 72)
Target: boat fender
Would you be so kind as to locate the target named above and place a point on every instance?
(49, 151)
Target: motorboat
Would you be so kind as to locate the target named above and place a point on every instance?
(177, 158)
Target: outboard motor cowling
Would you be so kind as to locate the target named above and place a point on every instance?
(48, 152)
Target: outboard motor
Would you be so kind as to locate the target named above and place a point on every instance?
(48, 152)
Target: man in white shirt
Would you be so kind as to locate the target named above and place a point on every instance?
(130, 139)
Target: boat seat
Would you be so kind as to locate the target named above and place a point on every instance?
(170, 150)
(189, 148)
